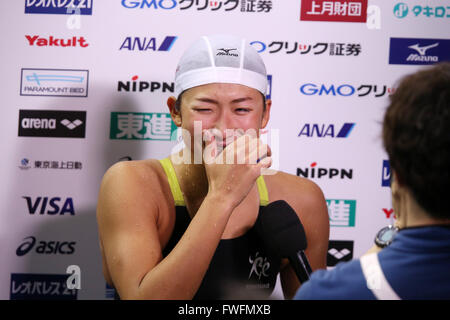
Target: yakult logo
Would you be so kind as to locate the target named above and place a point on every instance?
(260, 266)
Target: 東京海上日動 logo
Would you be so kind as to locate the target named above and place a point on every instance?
(418, 51)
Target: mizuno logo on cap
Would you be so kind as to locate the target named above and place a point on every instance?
(226, 52)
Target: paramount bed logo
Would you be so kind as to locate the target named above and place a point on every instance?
(54, 82)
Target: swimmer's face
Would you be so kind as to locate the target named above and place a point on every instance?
(221, 106)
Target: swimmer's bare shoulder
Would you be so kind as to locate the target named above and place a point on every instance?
(135, 216)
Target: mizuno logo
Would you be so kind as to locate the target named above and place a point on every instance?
(422, 50)
(226, 52)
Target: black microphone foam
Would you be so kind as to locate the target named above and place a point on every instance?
(281, 229)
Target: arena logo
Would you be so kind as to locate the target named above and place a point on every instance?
(54, 82)
(341, 212)
(52, 41)
(32, 286)
(58, 7)
(145, 44)
(311, 130)
(52, 123)
(386, 174)
(45, 247)
(334, 11)
(339, 251)
(345, 90)
(50, 206)
(418, 51)
(139, 86)
(315, 172)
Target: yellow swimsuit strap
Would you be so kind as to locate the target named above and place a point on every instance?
(178, 194)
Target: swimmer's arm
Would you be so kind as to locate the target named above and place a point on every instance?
(128, 225)
(309, 203)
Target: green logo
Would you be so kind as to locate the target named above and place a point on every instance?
(142, 126)
(341, 212)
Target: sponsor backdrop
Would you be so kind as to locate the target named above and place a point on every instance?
(85, 83)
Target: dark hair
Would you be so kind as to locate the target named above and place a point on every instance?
(178, 102)
(416, 136)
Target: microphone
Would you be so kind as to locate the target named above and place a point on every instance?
(283, 235)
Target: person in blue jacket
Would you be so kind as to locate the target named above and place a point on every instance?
(412, 259)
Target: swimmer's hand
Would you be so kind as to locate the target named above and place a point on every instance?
(232, 172)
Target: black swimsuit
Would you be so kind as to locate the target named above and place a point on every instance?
(241, 268)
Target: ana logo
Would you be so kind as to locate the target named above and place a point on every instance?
(139, 86)
(51, 123)
(50, 206)
(339, 251)
(388, 212)
(341, 212)
(335, 11)
(418, 51)
(54, 82)
(56, 42)
(259, 267)
(401, 10)
(386, 174)
(83, 7)
(323, 130)
(45, 247)
(313, 172)
(31, 286)
(227, 52)
(142, 126)
(144, 44)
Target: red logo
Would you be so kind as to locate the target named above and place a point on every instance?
(56, 42)
(388, 212)
(334, 10)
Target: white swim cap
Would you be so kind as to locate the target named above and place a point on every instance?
(220, 59)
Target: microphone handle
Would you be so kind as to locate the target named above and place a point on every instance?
(301, 266)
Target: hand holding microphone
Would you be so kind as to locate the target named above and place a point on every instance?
(284, 235)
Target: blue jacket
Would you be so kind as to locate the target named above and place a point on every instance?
(416, 265)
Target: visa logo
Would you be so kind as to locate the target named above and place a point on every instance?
(51, 206)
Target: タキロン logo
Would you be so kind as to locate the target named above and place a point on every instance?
(226, 52)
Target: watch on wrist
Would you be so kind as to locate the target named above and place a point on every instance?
(385, 236)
